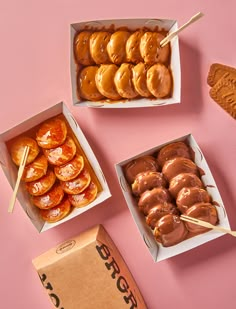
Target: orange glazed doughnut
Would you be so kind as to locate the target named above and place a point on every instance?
(150, 48)
(81, 48)
(139, 79)
(85, 197)
(61, 154)
(87, 85)
(42, 185)
(18, 146)
(123, 81)
(52, 133)
(133, 47)
(71, 169)
(116, 47)
(36, 169)
(159, 81)
(98, 47)
(57, 212)
(104, 79)
(78, 184)
(50, 199)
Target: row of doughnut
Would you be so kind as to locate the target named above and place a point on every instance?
(55, 174)
(128, 81)
(166, 186)
(104, 47)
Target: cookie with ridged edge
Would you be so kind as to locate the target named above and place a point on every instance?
(217, 71)
(224, 93)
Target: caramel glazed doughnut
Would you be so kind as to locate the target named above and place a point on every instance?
(143, 65)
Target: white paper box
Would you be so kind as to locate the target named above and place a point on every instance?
(132, 24)
(157, 251)
(10, 170)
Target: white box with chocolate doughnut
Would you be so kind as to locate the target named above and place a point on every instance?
(160, 205)
(118, 63)
(58, 183)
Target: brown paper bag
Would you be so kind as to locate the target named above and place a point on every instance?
(88, 272)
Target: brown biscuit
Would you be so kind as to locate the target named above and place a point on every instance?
(217, 71)
(224, 93)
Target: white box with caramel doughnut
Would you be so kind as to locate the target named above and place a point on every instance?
(62, 177)
(120, 63)
(164, 183)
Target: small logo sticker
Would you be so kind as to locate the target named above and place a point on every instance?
(65, 246)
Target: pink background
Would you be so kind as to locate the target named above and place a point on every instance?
(34, 72)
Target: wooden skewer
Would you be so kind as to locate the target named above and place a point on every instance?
(207, 224)
(171, 35)
(19, 175)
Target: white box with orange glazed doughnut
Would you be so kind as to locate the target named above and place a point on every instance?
(120, 64)
(165, 182)
(62, 177)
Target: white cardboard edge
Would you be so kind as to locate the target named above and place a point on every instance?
(10, 170)
(168, 24)
(157, 251)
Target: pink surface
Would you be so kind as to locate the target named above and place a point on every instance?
(35, 74)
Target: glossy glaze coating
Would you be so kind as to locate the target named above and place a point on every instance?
(71, 169)
(159, 81)
(87, 85)
(116, 47)
(78, 184)
(190, 196)
(177, 166)
(56, 213)
(202, 211)
(147, 181)
(150, 49)
(50, 199)
(182, 180)
(171, 151)
(52, 133)
(18, 146)
(104, 79)
(61, 154)
(42, 185)
(133, 47)
(98, 46)
(151, 198)
(36, 169)
(170, 230)
(141, 164)
(81, 48)
(123, 81)
(85, 197)
(157, 212)
(139, 79)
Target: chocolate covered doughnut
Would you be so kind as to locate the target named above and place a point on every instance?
(190, 196)
(170, 230)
